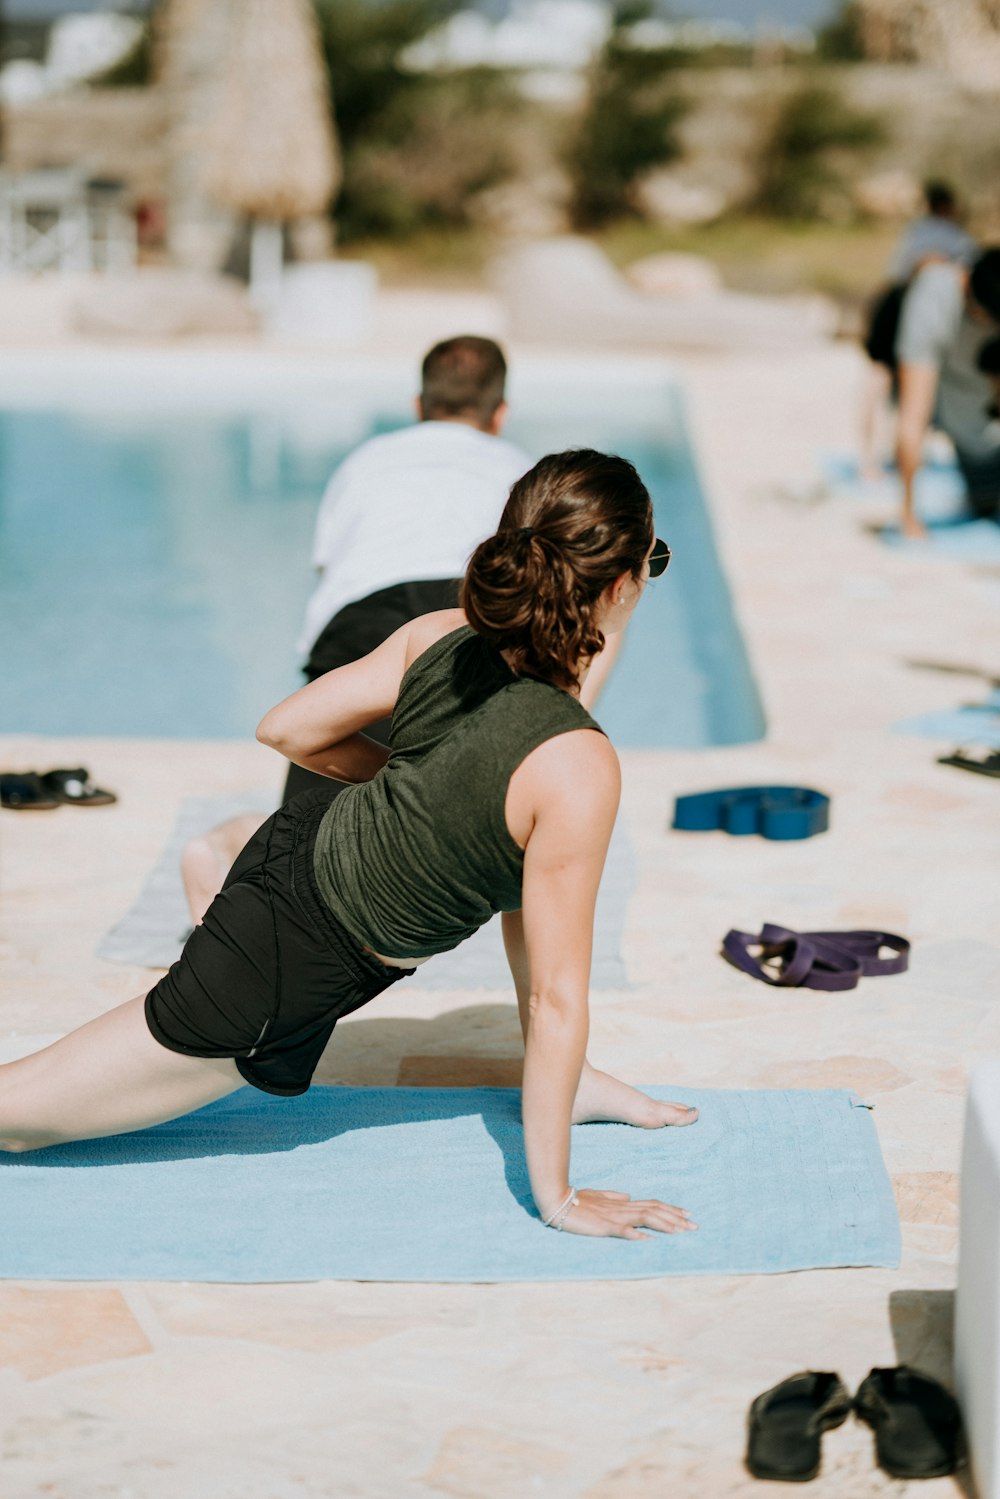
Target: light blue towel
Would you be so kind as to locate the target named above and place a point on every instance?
(430, 1185)
(973, 724)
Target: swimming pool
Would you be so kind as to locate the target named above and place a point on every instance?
(156, 514)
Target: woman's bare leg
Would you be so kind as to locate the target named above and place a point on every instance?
(874, 399)
(107, 1078)
(207, 859)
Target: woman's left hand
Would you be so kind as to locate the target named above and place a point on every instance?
(616, 1215)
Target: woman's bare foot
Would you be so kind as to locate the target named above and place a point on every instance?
(913, 528)
(601, 1097)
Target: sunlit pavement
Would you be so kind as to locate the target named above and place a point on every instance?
(628, 1390)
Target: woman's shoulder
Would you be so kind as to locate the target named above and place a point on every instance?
(427, 630)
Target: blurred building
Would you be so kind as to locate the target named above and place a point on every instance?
(77, 155)
(961, 37)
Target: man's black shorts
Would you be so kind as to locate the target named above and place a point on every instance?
(883, 326)
(269, 972)
(982, 482)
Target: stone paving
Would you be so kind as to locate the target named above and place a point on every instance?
(629, 1390)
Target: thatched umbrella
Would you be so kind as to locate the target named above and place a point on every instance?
(271, 152)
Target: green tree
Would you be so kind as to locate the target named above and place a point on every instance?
(417, 146)
(801, 165)
(841, 38)
(630, 121)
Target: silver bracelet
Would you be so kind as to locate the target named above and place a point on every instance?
(566, 1203)
(563, 1211)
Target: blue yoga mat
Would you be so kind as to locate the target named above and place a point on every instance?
(417, 1184)
(959, 541)
(938, 490)
(974, 724)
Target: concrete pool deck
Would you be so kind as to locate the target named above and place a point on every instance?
(609, 1390)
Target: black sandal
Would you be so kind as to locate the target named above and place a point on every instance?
(24, 792)
(75, 788)
(787, 1422)
(917, 1423)
(987, 764)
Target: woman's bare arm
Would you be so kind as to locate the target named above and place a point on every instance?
(599, 1095)
(572, 785)
(320, 727)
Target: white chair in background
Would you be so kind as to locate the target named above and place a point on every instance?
(565, 289)
(55, 219)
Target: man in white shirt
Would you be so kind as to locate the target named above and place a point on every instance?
(403, 513)
(396, 526)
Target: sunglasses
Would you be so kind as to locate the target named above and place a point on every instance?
(659, 558)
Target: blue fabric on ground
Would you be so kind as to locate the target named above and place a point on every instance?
(939, 500)
(974, 724)
(151, 933)
(959, 541)
(939, 490)
(418, 1184)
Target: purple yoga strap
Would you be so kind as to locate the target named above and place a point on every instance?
(830, 961)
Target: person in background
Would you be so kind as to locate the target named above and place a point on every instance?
(949, 314)
(937, 235)
(989, 364)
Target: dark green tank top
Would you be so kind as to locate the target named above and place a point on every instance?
(415, 860)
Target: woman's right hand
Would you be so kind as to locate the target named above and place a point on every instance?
(616, 1215)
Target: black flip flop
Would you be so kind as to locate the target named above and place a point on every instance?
(917, 1423)
(985, 765)
(24, 792)
(787, 1422)
(75, 788)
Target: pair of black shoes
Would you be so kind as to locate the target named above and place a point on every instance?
(917, 1424)
(28, 791)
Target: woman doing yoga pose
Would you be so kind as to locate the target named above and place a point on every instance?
(498, 792)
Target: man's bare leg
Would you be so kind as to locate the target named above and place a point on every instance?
(107, 1078)
(207, 859)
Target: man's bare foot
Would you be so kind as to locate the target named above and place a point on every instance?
(914, 529)
(601, 1097)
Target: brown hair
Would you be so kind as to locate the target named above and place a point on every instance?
(462, 378)
(572, 525)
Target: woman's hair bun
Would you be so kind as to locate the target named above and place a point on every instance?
(572, 525)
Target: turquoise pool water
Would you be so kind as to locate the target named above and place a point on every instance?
(155, 534)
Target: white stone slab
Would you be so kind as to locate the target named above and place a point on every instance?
(977, 1304)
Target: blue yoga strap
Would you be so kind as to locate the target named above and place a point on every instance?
(779, 812)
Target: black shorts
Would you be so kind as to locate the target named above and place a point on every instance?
(883, 326)
(270, 971)
(982, 482)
